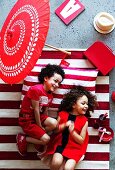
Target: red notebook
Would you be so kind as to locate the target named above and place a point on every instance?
(68, 10)
(101, 56)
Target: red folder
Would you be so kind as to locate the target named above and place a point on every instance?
(101, 56)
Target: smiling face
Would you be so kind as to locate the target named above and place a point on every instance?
(81, 105)
(52, 83)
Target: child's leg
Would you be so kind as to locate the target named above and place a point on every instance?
(70, 164)
(56, 162)
(50, 124)
(22, 141)
(42, 141)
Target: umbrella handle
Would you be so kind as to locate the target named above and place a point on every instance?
(64, 51)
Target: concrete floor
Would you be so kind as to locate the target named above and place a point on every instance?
(80, 33)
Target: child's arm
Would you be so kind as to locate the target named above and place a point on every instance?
(79, 138)
(35, 105)
(60, 127)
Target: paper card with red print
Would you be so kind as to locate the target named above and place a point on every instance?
(68, 10)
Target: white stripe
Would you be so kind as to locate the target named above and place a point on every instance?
(25, 87)
(13, 96)
(97, 113)
(4, 96)
(79, 82)
(102, 80)
(14, 113)
(22, 164)
(92, 131)
(32, 78)
(93, 165)
(81, 63)
(96, 148)
(11, 147)
(13, 130)
(10, 130)
(48, 61)
(9, 113)
(81, 72)
(64, 82)
(35, 164)
(102, 97)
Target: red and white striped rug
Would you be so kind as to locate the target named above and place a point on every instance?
(97, 155)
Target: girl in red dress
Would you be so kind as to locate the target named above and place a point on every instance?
(70, 142)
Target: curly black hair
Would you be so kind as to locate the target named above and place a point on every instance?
(49, 71)
(73, 95)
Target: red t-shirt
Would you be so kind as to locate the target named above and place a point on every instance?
(37, 93)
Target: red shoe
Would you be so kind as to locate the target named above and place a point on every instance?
(21, 144)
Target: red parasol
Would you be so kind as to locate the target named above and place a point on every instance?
(22, 38)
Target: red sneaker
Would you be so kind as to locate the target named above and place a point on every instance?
(21, 144)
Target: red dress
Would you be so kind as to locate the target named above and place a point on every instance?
(63, 142)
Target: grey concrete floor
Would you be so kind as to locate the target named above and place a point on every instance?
(80, 33)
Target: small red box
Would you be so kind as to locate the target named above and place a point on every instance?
(101, 56)
(68, 10)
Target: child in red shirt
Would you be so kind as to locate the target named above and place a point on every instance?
(33, 117)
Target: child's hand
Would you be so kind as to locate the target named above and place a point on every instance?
(68, 123)
(71, 127)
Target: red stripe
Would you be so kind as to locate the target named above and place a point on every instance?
(9, 104)
(17, 156)
(12, 139)
(10, 88)
(103, 106)
(62, 86)
(95, 140)
(7, 138)
(33, 73)
(104, 123)
(14, 122)
(28, 83)
(8, 121)
(80, 77)
(60, 55)
(102, 88)
(98, 156)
